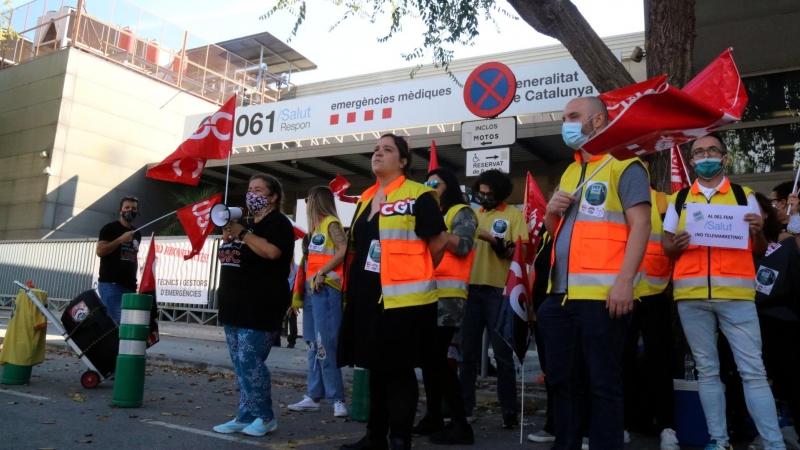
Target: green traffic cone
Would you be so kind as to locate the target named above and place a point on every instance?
(359, 402)
(134, 328)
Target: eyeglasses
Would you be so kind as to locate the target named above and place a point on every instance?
(478, 195)
(433, 183)
(706, 152)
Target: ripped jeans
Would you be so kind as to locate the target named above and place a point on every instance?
(322, 317)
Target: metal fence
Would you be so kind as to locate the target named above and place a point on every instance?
(65, 268)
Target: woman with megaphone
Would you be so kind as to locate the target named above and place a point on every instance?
(320, 296)
(253, 297)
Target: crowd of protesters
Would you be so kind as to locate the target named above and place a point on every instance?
(419, 269)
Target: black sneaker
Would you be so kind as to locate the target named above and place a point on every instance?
(453, 434)
(510, 421)
(427, 425)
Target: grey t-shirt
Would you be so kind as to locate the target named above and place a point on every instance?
(634, 188)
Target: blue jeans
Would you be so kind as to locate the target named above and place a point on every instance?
(483, 306)
(249, 349)
(322, 317)
(584, 351)
(739, 321)
(111, 296)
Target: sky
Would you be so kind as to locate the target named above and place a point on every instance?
(352, 48)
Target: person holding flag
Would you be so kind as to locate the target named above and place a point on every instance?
(600, 239)
(452, 283)
(253, 297)
(500, 227)
(118, 247)
(716, 286)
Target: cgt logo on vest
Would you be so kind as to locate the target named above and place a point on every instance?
(398, 208)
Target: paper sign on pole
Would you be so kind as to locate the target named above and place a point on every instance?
(717, 225)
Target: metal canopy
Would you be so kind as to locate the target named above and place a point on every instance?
(278, 56)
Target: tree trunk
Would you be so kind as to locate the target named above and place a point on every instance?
(670, 47)
(560, 19)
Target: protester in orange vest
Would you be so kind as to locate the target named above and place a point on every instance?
(452, 282)
(716, 286)
(389, 320)
(652, 319)
(600, 240)
(326, 247)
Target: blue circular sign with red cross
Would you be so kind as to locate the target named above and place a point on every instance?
(490, 89)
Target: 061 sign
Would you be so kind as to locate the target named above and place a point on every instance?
(253, 124)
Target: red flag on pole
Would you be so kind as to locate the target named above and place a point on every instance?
(148, 282)
(679, 175)
(533, 209)
(213, 140)
(512, 321)
(653, 115)
(434, 164)
(196, 220)
(339, 185)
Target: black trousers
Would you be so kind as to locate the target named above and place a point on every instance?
(393, 404)
(780, 343)
(651, 318)
(441, 381)
(540, 350)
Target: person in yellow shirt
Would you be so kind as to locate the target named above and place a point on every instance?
(500, 225)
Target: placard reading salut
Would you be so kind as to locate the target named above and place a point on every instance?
(541, 87)
(717, 225)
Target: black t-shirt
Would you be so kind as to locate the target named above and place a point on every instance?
(119, 266)
(253, 291)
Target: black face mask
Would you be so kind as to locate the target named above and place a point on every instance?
(128, 215)
(487, 202)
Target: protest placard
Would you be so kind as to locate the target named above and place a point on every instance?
(717, 225)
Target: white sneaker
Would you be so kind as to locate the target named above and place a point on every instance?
(471, 419)
(541, 436)
(339, 410)
(626, 437)
(585, 444)
(307, 404)
(669, 441)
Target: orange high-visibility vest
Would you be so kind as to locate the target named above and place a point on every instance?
(321, 250)
(656, 265)
(452, 274)
(713, 272)
(405, 263)
(600, 232)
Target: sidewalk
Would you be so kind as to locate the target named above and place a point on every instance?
(203, 347)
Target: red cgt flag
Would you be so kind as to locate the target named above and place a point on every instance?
(434, 164)
(652, 115)
(148, 282)
(196, 220)
(533, 210)
(213, 140)
(339, 185)
(679, 176)
(512, 320)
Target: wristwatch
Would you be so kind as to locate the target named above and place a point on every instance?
(242, 234)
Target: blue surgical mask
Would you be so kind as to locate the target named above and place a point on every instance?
(708, 168)
(572, 133)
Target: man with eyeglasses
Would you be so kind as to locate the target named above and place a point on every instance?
(715, 285)
(499, 227)
(117, 247)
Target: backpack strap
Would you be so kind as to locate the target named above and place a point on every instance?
(680, 199)
(738, 192)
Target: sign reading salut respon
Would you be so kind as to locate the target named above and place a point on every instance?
(541, 87)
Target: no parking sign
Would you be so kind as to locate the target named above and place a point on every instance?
(490, 89)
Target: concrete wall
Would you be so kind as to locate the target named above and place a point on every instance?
(101, 124)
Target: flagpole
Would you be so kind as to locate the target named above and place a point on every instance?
(154, 221)
(580, 186)
(227, 175)
(794, 190)
(522, 413)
